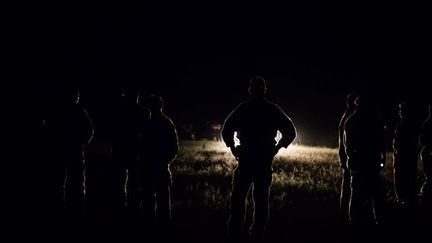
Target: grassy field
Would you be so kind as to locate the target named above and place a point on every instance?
(203, 173)
(304, 194)
(304, 200)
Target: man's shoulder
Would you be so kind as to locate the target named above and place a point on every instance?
(242, 105)
(275, 108)
(427, 125)
(168, 120)
(142, 111)
(351, 120)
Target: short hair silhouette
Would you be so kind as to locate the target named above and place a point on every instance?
(257, 86)
(130, 95)
(365, 102)
(67, 96)
(155, 102)
(351, 99)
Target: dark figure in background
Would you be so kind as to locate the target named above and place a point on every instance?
(255, 123)
(364, 140)
(406, 153)
(426, 155)
(68, 130)
(128, 123)
(346, 178)
(159, 149)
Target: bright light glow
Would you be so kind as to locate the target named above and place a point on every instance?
(236, 140)
(278, 136)
(306, 153)
(293, 151)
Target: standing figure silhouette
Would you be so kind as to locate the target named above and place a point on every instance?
(426, 156)
(159, 149)
(68, 130)
(255, 123)
(406, 153)
(364, 140)
(346, 178)
(130, 118)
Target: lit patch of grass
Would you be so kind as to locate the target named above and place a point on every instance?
(202, 174)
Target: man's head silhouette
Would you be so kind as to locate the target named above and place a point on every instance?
(155, 103)
(67, 96)
(350, 100)
(366, 102)
(130, 95)
(429, 110)
(257, 87)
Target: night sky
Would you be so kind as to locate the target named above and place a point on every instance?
(201, 57)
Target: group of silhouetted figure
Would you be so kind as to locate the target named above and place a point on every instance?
(143, 142)
(120, 176)
(362, 153)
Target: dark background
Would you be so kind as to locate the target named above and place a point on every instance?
(200, 57)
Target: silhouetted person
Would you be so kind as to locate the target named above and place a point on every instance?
(364, 140)
(159, 149)
(130, 119)
(406, 153)
(426, 155)
(255, 123)
(346, 178)
(68, 130)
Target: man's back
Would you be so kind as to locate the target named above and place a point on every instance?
(256, 122)
(129, 120)
(364, 140)
(426, 134)
(68, 129)
(161, 138)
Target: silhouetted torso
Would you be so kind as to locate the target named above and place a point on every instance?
(160, 142)
(364, 139)
(406, 153)
(255, 122)
(128, 123)
(426, 155)
(158, 149)
(342, 154)
(426, 134)
(406, 137)
(67, 130)
(346, 177)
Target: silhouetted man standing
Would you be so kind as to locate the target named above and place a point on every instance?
(160, 148)
(426, 155)
(128, 124)
(255, 123)
(68, 130)
(406, 153)
(364, 140)
(346, 179)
